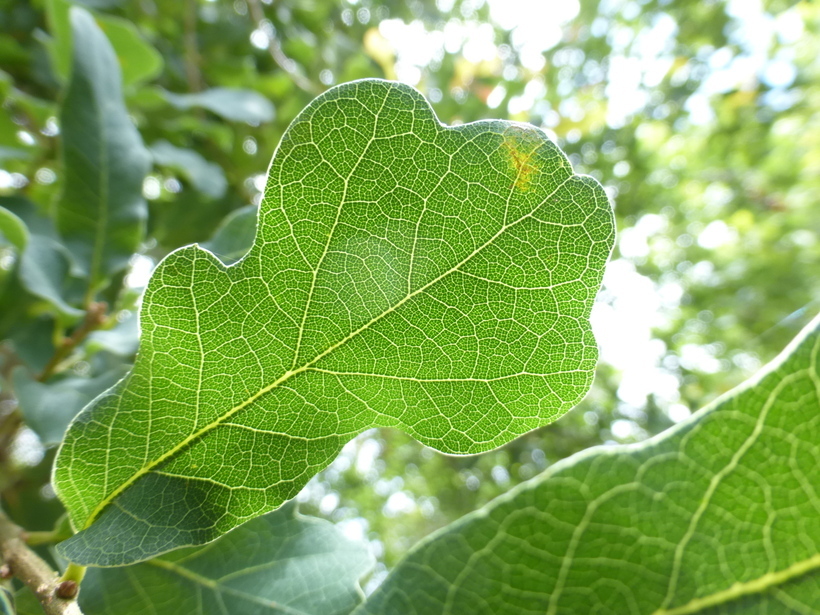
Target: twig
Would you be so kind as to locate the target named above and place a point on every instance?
(94, 318)
(275, 49)
(35, 573)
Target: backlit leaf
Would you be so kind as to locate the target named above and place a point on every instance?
(718, 515)
(404, 274)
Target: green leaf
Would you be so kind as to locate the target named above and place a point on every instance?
(235, 235)
(282, 562)
(101, 214)
(46, 272)
(720, 514)
(46, 268)
(49, 407)
(404, 274)
(229, 103)
(13, 229)
(139, 61)
(207, 177)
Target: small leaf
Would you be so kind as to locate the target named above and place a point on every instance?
(720, 514)
(46, 272)
(404, 274)
(45, 267)
(235, 234)
(101, 214)
(230, 103)
(13, 229)
(207, 177)
(279, 563)
(48, 408)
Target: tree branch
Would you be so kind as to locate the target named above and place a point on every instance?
(35, 573)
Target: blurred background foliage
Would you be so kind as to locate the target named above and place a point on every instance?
(700, 117)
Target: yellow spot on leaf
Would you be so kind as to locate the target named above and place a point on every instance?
(519, 148)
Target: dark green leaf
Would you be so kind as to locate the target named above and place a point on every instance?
(720, 514)
(46, 272)
(281, 563)
(404, 274)
(102, 212)
(49, 407)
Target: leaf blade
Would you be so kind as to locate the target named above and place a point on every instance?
(101, 214)
(289, 376)
(688, 522)
(282, 562)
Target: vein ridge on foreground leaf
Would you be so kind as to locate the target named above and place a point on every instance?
(739, 590)
(291, 373)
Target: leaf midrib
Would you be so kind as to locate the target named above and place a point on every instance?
(217, 587)
(295, 372)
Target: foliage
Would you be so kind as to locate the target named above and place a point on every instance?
(698, 119)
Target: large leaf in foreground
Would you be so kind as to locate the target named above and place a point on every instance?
(280, 563)
(720, 514)
(404, 274)
(101, 214)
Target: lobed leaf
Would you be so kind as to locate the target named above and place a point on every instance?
(718, 515)
(404, 274)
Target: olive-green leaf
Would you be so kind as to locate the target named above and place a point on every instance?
(101, 214)
(404, 274)
(718, 515)
(281, 563)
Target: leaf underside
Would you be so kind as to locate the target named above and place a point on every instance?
(404, 274)
(281, 563)
(718, 515)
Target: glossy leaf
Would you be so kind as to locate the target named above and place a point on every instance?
(230, 103)
(101, 214)
(720, 514)
(207, 177)
(49, 407)
(234, 237)
(404, 274)
(281, 563)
